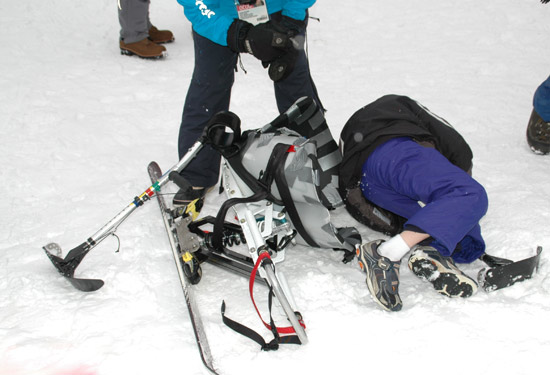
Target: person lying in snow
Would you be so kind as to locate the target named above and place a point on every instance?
(407, 173)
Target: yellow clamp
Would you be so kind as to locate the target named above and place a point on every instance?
(187, 257)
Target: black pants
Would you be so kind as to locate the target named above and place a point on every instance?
(210, 93)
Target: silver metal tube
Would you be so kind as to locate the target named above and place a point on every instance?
(281, 297)
(118, 219)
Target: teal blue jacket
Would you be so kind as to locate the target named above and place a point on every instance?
(212, 18)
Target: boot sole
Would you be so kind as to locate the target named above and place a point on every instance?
(162, 41)
(130, 53)
(447, 283)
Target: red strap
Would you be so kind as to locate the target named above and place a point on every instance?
(282, 330)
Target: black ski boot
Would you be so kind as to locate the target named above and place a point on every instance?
(189, 199)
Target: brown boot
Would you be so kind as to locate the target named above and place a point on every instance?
(144, 48)
(160, 36)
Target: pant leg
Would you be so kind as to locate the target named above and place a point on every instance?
(541, 100)
(400, 173)
(209, 93)
(298, 84)
(133, 16)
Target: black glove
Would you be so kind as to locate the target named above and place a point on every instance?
(283, 66)
(294, 26)
(295, 30)
(264, 40)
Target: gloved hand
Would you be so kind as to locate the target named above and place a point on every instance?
(295, 29)
(264, 41)
(290, 24)
(281, 68)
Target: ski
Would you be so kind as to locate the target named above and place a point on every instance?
(182, 261)
(503, 273)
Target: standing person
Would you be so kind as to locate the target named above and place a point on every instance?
(137, 35)
(274, 33)
(406, 172)
(538, 129)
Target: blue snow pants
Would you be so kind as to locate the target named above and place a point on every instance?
(541, 100)
(210, 93)
(435, 196)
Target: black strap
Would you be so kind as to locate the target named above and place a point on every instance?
(215, 133)
(253, 335)
(217, 237)
(281, 151)
(247, 332)
(233, 156)
(269, 175)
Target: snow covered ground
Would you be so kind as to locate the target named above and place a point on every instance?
(80, 123)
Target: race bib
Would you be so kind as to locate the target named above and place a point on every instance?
(254, 11)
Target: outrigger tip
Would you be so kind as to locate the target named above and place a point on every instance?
(67, 266)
